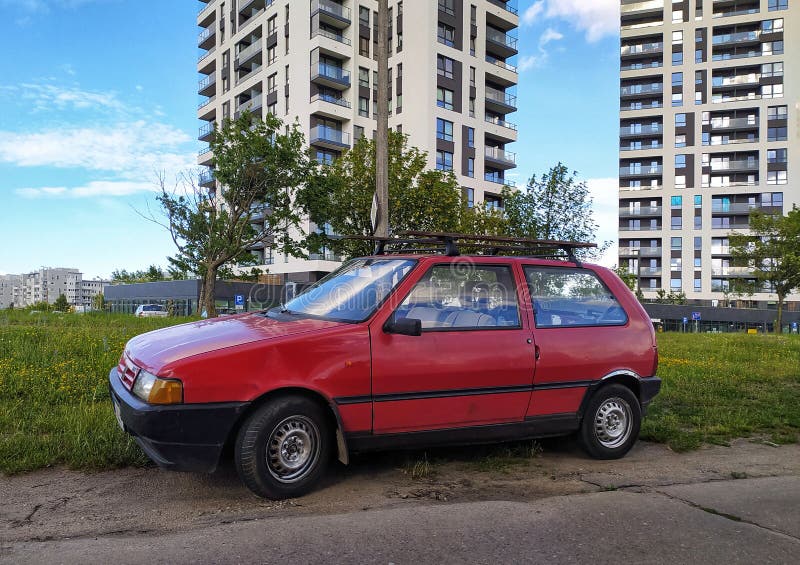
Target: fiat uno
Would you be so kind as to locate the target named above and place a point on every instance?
(400, 349)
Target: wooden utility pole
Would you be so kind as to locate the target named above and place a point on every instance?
(382, 139)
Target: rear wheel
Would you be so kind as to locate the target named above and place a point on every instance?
(283, 448)
(611, 422)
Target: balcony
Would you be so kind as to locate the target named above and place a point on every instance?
(206, 132)
(329, 137)
(500, 158)
(640, 130)
(205, 16)
(641, 90)
(720, 250)
(734, 166)
(330, 76)
(205, 156)
(649, 171)
(725, 123)
(206, 37)
(248, 53)
(331, 105)
(732, 272)
(502, 73)
(642, 49)
(508, 5)
(494, 178)
(331, 13)
(253, 105)
(500, 43)
(734, 208)
(751, 79)
(737, 38)
(640, 7)
(650, 271)
(500, 101)
(502, 14)
(337, 37)
(206, 178)
(641, 212)
(200, 59)
(640, 251)
(207, 85)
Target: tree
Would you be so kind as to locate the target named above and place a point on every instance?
(99, 302)
(339, 196)
(152, 274)
(552, 206)
(258, 166)
(772, 251)
(61, 304)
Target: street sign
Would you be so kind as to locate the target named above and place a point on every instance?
(696, 316)
(239, 301)
(685, 320)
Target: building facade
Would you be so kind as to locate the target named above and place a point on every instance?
(452, 81)
(46, 284)
(708, 133)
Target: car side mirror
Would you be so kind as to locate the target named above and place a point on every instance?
(404, 326)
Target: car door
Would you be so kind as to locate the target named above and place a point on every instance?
(473, 364)
(581, 335)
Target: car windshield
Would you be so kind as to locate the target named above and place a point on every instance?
(353, 292)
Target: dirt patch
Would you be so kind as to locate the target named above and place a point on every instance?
(57, 503)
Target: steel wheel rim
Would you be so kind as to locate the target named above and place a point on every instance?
(292, 449)
(613, 423)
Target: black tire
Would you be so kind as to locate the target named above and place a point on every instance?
(611, 422)
(283, 448)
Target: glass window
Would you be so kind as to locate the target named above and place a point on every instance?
(446, 34)
(444, 161)
(680, 141)
(676, 222)
(677, 99)
(444, 98)
(677, 79)
(470, 137)
(676, 243)
(471, 167)
(470, 195)
(677, 58)
(445, 298)
(677, 37)
(571, 297)
(698, 243)
(444, 129)
(680, 120)
(351, 293)
(444, 66)
(680, 161)
(447, 6)
(774, 5)
(676, 201)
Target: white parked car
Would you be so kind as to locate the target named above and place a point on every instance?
(151, 311)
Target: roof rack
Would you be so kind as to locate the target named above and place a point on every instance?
(451, 245)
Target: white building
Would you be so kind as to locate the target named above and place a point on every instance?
(452, 82)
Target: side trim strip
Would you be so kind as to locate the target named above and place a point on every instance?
(393, 397)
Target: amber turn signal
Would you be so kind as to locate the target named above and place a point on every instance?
(166, 392)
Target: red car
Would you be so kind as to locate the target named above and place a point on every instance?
(395, 351)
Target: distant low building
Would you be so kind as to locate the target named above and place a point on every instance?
(10, 288)
(182, 297)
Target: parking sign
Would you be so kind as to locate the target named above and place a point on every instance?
(696, 316)
(239, 301)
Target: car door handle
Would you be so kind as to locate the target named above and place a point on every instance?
(538, 353)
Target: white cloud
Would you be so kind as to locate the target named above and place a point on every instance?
(527, 62)
(597, 18)
(605, 210)
(49, 97)
(126, 148)
(94, 189)
(530, 15)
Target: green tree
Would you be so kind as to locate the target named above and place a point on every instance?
(340, 195)
(553, 206)
(152, 274)
(259, 166)
(772, 251)
(99, 302)
(61, 304)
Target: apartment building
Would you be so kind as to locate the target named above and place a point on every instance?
(46, 284)
(10, 287)
(708, 133)
(452, 82)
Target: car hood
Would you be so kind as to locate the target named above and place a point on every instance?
(158, 348)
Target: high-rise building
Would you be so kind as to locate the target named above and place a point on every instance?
(709, 132)
(452, 82)
(10, 290)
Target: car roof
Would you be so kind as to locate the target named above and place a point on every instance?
(495, 259)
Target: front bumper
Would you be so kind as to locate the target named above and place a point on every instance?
(179, 437)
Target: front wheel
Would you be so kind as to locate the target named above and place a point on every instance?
(283, 448)
(611, 422)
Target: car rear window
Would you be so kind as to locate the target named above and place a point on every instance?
(571, 297)
(153, 308)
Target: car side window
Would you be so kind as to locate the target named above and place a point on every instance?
(571, 297)
(460, 297)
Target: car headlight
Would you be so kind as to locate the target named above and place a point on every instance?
(154, 390)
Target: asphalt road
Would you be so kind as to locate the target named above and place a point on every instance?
(722, 521)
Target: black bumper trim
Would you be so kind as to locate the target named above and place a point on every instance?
(180, 437)
(649, 387)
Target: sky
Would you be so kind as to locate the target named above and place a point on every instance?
(98, 102)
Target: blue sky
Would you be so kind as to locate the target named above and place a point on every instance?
(101, 95)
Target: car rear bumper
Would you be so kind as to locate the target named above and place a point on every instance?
(181, 437)
(649, 387)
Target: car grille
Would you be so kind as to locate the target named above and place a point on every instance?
(127, 371)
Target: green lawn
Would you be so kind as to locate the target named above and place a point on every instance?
(54, 406)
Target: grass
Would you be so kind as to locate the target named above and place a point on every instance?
(54, 402)
(717, 387)
(55, 409)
